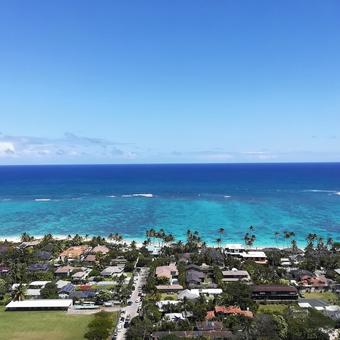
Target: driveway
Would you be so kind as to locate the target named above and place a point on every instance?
(131, 310)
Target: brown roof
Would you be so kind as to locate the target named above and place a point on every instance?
(166, 271)
(100, 249)
(63, 269)
(274, 288)
(90, 258)
(75, 252)
(234, 310)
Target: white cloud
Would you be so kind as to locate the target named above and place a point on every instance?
(69, 148)
(6, 148)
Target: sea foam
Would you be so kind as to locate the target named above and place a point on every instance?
(42, 199)
(139, 195)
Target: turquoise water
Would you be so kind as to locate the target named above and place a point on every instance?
(129, 199)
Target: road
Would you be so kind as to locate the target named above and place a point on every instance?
(132, 310)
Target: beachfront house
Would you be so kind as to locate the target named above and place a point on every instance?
(257, 256)
(74, 253)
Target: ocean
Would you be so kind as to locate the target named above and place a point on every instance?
(128, 199)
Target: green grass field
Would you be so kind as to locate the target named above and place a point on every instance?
(50, 325)
(327, 296)
(272, 309)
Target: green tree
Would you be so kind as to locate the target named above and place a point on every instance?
(19, 293)
(50, 291)
(3, 287)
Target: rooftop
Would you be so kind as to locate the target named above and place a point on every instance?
(40, 303)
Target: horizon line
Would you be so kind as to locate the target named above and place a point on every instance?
(172, 163)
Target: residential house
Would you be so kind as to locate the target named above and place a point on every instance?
(233, 310)
(314, 283)
(90, 259)
(81, 275)
(175, 288)
(235, 275)
(100, 250)
(215, 256)
(34, 289)
(38, 267)
(169, 272)
(274, 292)
(29, 244)
(65, 289)
(194, 277)
(112, 271)
(188, 295)
(234, 249)
(257, 256)
(119, 260)
(64, 271)
(74, 253)
(44, 255)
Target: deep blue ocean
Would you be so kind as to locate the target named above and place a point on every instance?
(128, 199)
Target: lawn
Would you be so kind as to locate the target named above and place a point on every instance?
(51, 325)
(272, 309)
(327, 296)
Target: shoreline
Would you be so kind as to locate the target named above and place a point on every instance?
(139, 241)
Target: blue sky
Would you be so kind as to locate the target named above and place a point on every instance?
(169, 81)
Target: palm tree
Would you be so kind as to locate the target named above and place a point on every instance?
(221, 232)
(19, 293)
(276, 235)
(288, 235)
(249, 239)
(218, 241)
(25, 237)
(330, 242)
(294, 246)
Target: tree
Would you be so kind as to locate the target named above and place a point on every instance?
(19, 293)
(103, 295)
(276, 236)
(25, 237)
(249, 239)
(50, 291)
(218, 241)
(100, 327)
(3, 287)
(221, 232)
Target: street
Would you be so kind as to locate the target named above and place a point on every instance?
(129, 312)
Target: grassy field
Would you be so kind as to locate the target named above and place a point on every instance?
(327, 296)
(272, 309)
(51, 325)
